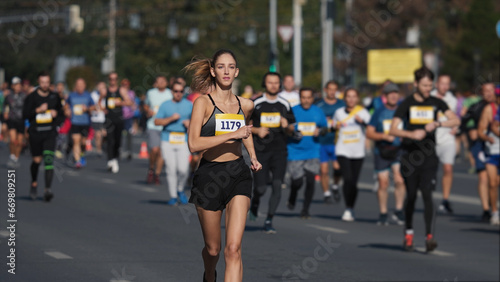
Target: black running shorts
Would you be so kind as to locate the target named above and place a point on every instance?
(42, 141)
(216, 183)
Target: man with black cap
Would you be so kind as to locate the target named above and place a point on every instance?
(13, 115)
(387, 155)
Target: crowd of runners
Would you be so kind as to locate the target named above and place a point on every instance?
(300, 138)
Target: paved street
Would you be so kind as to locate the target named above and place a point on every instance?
(113, 227)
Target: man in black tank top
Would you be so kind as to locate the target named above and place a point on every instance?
(272, 119)
(115, 99)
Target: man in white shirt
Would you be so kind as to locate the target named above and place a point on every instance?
(445, 139)
(289, 93)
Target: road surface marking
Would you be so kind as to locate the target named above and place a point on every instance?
(329, 229)
(108, 181)
(58, 255)
(453, 198)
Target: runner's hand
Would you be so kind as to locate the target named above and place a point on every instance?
(53, 113)
(284, 122)
(43, 107)
(418, 134)
(256, 166)
(175, 116)
(389, 138)
(243, 132)
(431, 126)
(263, 132)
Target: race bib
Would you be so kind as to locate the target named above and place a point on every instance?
(270, 120)
(226, 123)
(330, 123)
(77, 110)
(111, 103)
(421, 114)
(387, 125)
(307, 128)
(177, 138)
(44, 117)
(352, 136)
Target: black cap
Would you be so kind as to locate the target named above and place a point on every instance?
(389, 88)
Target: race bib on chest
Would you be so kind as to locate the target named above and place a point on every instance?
(307, 128)
(387, 125)
(177, 138)
(421, 114)
(77, 110)
(352, 136)
(111, 103)
(271, 120)
(330, 123)
(226, 123)
(44, 117)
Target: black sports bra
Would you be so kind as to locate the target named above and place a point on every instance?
(209, 128)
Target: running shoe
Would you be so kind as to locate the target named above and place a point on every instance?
(408, 243)
(305, 215)
(83, 161)
(48, 195)
(78, 165)
(430, 243)
(328, 200)
(172, 202)
(252, 216)
(383, 219)
(486, 217)
(182, 198)
(33, 192)
(495, 220)
(157, 179)
(445, 207)
(109, 166)
(205, 280)
(11, 164)
(336, 194)
(151, 176)
(115, 168)
(268, 227)
(58, 154)
(290, 206)
(348, 215)
(398, 217)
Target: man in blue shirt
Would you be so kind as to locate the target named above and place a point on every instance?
(303, 148)
(329, 105)
(79, 104)
(386, 155)
(174, 116)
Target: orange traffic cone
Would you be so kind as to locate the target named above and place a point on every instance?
(88, 146)
(143, 154)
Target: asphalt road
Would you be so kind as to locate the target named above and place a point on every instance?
(113, 227)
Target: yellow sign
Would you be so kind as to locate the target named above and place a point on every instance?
(397, 65)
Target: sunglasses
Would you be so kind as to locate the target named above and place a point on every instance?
(177, 91)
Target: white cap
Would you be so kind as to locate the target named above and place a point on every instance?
(16, 80)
